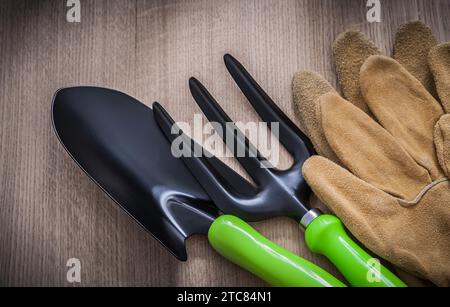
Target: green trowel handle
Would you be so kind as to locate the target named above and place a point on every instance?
(326, 236)
(240, 243)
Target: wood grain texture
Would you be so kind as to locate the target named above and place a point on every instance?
(50, 211)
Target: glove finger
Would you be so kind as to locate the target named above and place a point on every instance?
(439, 60)
(351, 49)
(442, 141)
(307, 87)
(413, 42)
(369, 151)
(403, 107)
(358, 204)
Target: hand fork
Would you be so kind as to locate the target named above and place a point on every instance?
(277, 192)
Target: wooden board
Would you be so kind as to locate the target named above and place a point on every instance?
(50, 211)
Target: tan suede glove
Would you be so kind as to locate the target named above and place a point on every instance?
(387, 153)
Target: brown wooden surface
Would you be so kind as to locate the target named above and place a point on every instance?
(50, 211)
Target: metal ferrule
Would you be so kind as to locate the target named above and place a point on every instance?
(309, 217)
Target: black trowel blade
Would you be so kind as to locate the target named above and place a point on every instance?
(114, 138)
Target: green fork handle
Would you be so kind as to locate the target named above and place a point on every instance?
(326, 235)
(241, 244)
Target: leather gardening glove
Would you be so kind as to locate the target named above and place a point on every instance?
(413, 43)
(385, 155)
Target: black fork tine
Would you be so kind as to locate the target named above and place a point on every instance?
(290, 135)
(220, 182)
(253, 163)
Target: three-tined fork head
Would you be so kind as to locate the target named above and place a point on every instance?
(277, 192)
